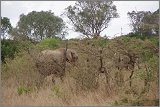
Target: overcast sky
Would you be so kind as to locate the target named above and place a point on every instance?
(13, 9)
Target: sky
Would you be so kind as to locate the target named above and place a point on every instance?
(13, 9)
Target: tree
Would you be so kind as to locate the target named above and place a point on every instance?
(91, 17)
(150, 24)
(155, 17)
(144, 22)
(40, 25)
(9, 48)
(6, 27)
(136, 19)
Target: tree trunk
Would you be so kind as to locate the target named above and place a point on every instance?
(65, 53)
(130, 77)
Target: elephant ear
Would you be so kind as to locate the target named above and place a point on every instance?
(74, 56)
(69, 56)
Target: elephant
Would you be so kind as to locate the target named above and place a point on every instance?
(54, 61)
(123, 61)
(128, 61)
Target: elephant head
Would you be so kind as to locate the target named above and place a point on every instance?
(71, 56)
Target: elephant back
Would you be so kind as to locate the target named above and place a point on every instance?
(50, 62)
(49, 55)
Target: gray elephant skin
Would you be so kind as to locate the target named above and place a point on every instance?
(53, 61)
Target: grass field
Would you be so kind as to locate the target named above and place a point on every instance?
(83, 85)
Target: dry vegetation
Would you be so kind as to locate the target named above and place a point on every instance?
(96, 80)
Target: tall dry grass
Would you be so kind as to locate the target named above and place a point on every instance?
(19, 79)
(58, 94)
(83, 84)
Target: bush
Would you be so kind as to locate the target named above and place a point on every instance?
(154, 41)
(11, 47)
(23, 90)
(22, 68)
(136, 102)
(100, 41)
(49, 43)
(56, 90)
(86, 75)
(137, 35)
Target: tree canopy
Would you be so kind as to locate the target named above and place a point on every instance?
(39, 25)
(91, 17)
(144, 22)
(6, 27)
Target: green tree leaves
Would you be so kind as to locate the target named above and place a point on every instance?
(9, 48)
(52, 43)
(5, 27)
(40, 25)
(91, 17)
(144, 22)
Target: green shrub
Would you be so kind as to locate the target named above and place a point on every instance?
(116, 103)
(49, 43)
(9, 48)
(23, 90)
(101, 42)
(22, 68)
(136, 102)
(56, 90)
(154, 41)
(138, 35)
(152, 38)
(126, 38)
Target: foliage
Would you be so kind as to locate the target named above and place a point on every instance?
(136, 19)
(86, 78)
(17, 36)
(154, 41)
(130, 52)
(101, 42)
(56, 90)
(40, 25)
(144, 102)
(22, 68)
(149, 72)
(136, 102)
(23, 90)
(91, 17)
(126, 46)
(151, 42)
(139, 44)
(11, 47)
(6, 27)
(144, 22)
(86, 75)
(49, 43)
(149, 23)
(137, 35)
